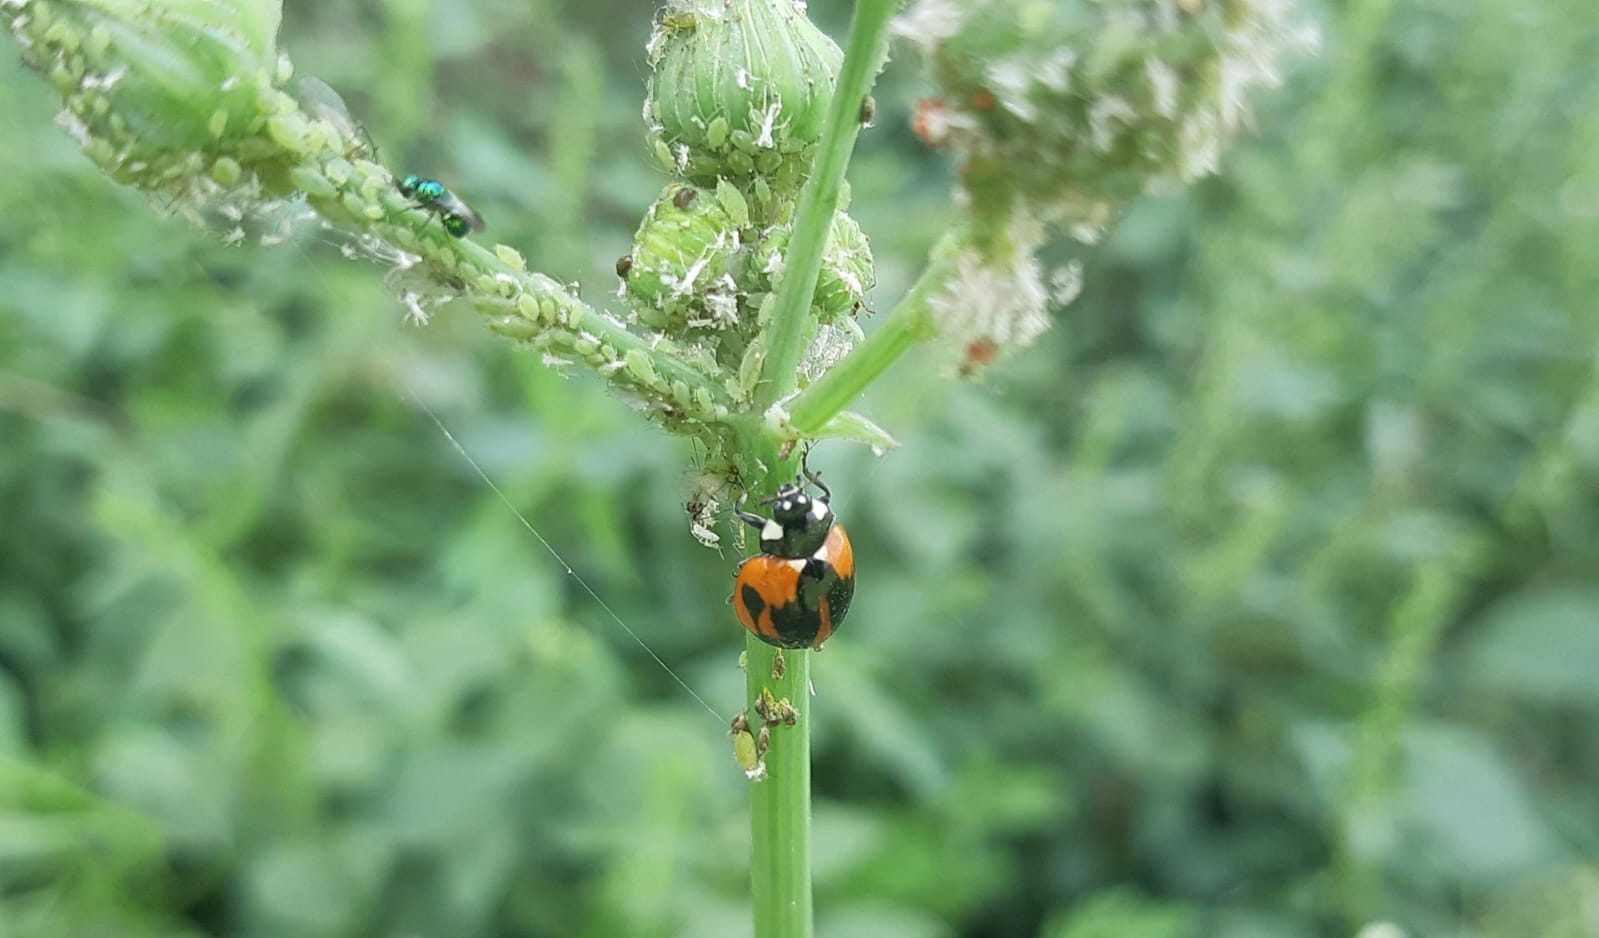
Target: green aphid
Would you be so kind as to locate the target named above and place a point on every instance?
(683, 22)
(457, 217)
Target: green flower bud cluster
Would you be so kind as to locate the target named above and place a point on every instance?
(702, 270)
(736, 106)
(684, 260)
(740, 88)
(846, 272)
(697, 262)
(167, 95)
(1070, 108)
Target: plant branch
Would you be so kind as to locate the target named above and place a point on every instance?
(520, 304)
(906, 325)
(200, 116)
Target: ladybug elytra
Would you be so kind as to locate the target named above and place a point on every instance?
(796, 591)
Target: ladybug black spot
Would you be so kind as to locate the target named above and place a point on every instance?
(753, 602)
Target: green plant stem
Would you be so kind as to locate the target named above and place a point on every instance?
(864, 53)
(906, 325)
(780, 804)
(1414, 628)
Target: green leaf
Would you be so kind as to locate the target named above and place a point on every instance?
(1123, 914)
(874, 920)
(1541, 644)
(852, 426)
(1469, 806)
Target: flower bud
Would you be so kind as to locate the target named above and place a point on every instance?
(684, 256)
(149, 83)
(846, 273)
(740, 88)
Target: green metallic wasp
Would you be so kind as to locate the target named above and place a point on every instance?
(457, 217)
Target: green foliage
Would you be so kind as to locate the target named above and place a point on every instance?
(1257, 600)
(1119, 915)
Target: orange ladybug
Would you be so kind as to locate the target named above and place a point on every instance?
(796, 591)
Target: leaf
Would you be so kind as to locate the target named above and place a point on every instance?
(1123, 914)
(1467, 802)
(1541, 644)
(852, 426)
(1563, 903)
(873, 920)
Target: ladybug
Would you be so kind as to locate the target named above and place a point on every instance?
(796, 591)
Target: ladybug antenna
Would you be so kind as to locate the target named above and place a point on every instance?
(814, 476)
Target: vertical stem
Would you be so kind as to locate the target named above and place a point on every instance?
(1414, 628)
(864, 53)
(780, 804)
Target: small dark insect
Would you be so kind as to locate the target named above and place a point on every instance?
(623, 265)
(868, 110)
(685, 197)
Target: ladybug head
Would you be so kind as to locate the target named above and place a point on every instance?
(799, 523)
(792, 506)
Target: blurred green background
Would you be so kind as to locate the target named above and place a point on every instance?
(1260, 600)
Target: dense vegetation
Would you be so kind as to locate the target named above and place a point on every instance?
(1260, 599)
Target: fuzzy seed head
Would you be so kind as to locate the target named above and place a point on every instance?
(995, 303)
(1073, 108)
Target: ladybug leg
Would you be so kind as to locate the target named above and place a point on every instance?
(749, 518)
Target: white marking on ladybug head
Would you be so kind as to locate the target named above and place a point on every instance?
(819, 509)
(771, 531)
